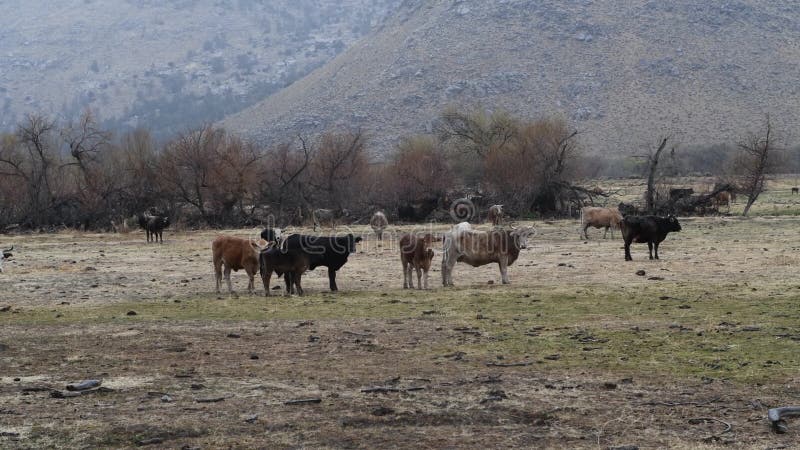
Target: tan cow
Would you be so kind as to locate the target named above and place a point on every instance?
(495, 215)
(235, 254)
(722, 198)
(378, 222)
(478, 248)
(592, 216)
(415, 254)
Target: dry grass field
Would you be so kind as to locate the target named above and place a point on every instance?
(578, 352)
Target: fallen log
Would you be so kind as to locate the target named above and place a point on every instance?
(302, 401)
(519, 364)
(84, 385)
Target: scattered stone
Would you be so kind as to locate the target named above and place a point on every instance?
(131, 313)
(149, 441)
(305, 323)
(641, 273)
(234, 335)
(656, 278)
(84, 385)
(609, 385)
(5, 308)
(253, 356)
(197, 386)
(90, 269)
(313, 338)
(303, 401)
(490, 282)
(382, 411)
(555, 357)
(251, 418)
(751, 328)
(166, 398)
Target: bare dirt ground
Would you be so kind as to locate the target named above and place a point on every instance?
(579, 352)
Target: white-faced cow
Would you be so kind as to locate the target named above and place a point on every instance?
(592, 216)
(477, 248)
(416, 255)
(6, 254)
(650, 229)
(378, 222)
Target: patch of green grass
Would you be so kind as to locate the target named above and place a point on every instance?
(669, 329)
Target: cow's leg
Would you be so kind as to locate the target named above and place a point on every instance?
(585, 234)
(288, 279)
(218, 273)
(251, 285)
(332, 279)
(650, 249)
(410, 275)
(628, 250)
(405, 275)
(147, 233)
(266, 276)
(419, 277)
(605, 233)
(228, 279)
(656, 246)
(297, 277)
(503, 263)
(161, 236)
(426, 279)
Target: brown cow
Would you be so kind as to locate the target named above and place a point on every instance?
(291, 263)
(592, 216)
(415, 254)
(478, 248)
(235, 254)
(722, 198)
(495, 215)
(378, 222)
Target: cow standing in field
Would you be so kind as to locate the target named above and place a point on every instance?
(291, 263)
(235, 254)
(6, 254)
(328, 217)
(722, 198)
(378, 222)
(495, 215)
(650, 229)
(416, 255)
(153, 225)
(478, 248)
(331, 252)
(592, 216)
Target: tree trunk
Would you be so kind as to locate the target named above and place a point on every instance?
(651, 178)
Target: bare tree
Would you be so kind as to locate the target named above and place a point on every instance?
(339, 164)
(758, 151)
(652, 169)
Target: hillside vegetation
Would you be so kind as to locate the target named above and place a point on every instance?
(625, 72)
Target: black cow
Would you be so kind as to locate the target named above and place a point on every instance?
(331, 252)
(650, 229)
(154, 226)
(291, 263)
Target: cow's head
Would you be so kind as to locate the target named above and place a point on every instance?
(521, 235)
(672, 223)
(272, 235)
(5, 255)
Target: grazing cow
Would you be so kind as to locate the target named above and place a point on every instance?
(415, 254)
(235, 253)
(378, 222)
(331, 252)
(478, 248)
(795, 190)
(291, 263)
(722, 198)
(153, 225)
(6, 255)
(495, 215)
(592, 216)
(679, 193)
(327, 216)
(650, 229)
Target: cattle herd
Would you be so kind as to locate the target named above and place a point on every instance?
(295, 254)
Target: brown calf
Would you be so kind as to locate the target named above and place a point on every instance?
(592, 216)
(495, 215)
(415, 254)
(235, 254)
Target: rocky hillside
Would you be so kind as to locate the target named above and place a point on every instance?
(166, 64)
(623, 72)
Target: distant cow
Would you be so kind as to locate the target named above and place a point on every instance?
(235, 254)
(378, 222)
(331, 252)
(415, 255)
(650, 229)
(6, 255)
(592, 216)
(722, 198)
(495, 215)
(679, 193)
(795, 190)
(478, 248)
(291, 263)
(153, 225)
(327, 217)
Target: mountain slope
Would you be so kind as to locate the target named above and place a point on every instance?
(166, 64)
(623, 72)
